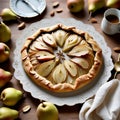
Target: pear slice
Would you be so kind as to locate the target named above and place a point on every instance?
(81, 62)
(79, 50)
(59, 74)
(44, 56)
(45, 68)
(60, 37)
(49, 39)
(41, 45)
(71, 41)
(90, 59)
(82, 71)
(34, 62)
(70, 79)
(32, 47)
(71, 67)
(83, 42)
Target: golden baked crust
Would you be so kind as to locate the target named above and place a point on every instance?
(61, 58)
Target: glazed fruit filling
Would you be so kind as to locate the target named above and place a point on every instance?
(61, 56)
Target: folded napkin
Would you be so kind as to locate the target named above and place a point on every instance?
(105, 105)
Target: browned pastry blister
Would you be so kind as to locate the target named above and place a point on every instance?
(61, 58)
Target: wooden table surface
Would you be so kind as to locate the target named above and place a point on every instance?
(65, 112)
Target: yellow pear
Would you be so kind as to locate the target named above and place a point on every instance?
(8, 15)
(47, 111)
(94, 5)
(4, 52)
(11, 96)
(8, 113)
(75, 5)
(5, 77)
(113, 3)
(5, 32)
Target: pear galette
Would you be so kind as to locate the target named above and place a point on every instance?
(61, 58)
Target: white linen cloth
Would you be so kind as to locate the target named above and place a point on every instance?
(105, 105)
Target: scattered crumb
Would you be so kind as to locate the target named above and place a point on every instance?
(55, 4)
(93, 20)
(116, 49)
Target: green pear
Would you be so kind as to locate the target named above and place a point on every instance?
(5, 77)
(8, 113)
(8, 15)
(10, 96)
(4, 52)
(5, 32)
(47, 111)
(94, 5)
(113, 3)
(75, 5)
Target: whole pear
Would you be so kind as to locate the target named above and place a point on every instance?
(94, 5)
(75, 5)
(5, 32)
(4, 52)
(5, 77)
(10, 96)
(8, 113)
(8, 15)
(113, 3)
(47, 111)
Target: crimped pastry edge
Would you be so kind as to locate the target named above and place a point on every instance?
(62, 87)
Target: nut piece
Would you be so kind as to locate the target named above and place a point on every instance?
(59, 10)
(52, 13)
(116, 49)
(93, 20)
(26, 108)
(21, 26)
(55, 4)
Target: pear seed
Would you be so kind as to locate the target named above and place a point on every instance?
(26, 108)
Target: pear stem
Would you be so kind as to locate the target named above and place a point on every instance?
(0, 20)
(19, 19)
(90, 14)
(43, 103)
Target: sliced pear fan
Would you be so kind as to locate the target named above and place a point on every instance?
(49, 39)
(71, 41)
(44, 56)
(79, 50)
(71, 67)
(45, 68)
(60, 37)
(59, 74)
(40, 45)
(81, 62)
